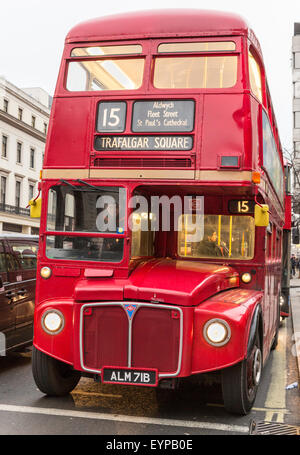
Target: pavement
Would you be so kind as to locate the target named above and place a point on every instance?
(295, 314)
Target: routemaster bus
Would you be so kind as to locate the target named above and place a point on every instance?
(163, 207)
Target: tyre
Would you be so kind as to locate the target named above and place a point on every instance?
(54, 378)
(240, 382)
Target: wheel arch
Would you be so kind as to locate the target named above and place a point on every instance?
(255, 325)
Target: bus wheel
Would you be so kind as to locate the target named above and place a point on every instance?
(53, 377)
(240, 382)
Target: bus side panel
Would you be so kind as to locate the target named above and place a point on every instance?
(226, 130)
(60, 345)
(255, 126)
(68, 145)
(206, 357)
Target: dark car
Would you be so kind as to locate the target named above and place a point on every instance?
(18, 256)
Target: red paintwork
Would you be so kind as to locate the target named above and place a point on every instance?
(161, 23)
(162, 280)
(177, 282)
(288, 212)
(227, 122)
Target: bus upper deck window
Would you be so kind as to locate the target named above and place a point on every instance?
(255, 77)
(106, 50)
(104, 74)
(196, 72)
(210, 46)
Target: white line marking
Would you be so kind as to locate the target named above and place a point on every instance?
(95, 394)
(124, 418)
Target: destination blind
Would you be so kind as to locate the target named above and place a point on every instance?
(155, 116)
(163, 116)
(151, 143)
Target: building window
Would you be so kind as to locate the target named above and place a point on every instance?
(20, 113)
(18, 193)
(10, 227)
(45, 128)
(3, 190)
(19, 152)
(4, 146)
(31, 190)
(32, 158)
(5, 105)
(33, 119)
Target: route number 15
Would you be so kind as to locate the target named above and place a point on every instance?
(243, 206)
(111, 117)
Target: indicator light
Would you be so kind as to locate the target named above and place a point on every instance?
(45, 272)
(246, 277)
(255, 177)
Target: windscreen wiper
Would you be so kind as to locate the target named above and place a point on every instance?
(88, 184)
(99, 188)
(67, 183)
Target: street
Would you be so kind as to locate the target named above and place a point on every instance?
(95, 409)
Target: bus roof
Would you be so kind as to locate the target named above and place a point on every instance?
(158, 24)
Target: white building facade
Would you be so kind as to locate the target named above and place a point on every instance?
(24, 119)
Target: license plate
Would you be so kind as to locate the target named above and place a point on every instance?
(129, 376)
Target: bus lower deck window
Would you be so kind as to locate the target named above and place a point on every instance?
(216, 236)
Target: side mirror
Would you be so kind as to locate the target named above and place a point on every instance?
(35, 207)
(261, 215)
(295, 236)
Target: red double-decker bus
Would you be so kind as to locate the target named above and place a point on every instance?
(163, 207)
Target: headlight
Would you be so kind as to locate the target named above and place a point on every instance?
(45, 272)
(217, 332)
(246, 277)
(282, 300)
(52, 321)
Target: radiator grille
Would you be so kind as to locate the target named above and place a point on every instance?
(141, 163)
(150, 338)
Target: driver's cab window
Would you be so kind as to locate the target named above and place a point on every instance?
(142, 237)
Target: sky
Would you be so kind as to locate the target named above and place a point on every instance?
(32, 34)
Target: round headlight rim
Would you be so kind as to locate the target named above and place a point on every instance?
(62, 325)
(222, 322)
